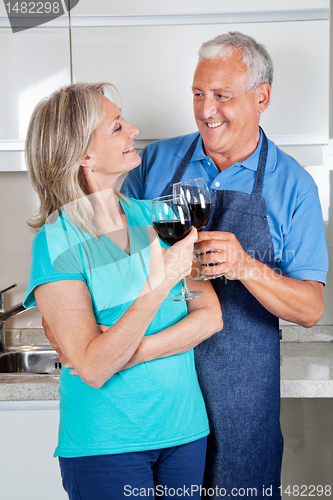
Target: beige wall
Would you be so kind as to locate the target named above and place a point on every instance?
(17, 201)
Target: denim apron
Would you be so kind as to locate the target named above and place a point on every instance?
(239, 367)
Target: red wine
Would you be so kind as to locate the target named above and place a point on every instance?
(172, 231)
(199, 215)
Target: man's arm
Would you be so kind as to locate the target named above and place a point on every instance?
(290, 299)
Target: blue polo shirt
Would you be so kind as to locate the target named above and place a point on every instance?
(290, 193)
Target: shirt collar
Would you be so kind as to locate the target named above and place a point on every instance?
(251, 162)
(198, 152)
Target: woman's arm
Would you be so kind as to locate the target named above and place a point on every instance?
(67, 309)
(204, 319)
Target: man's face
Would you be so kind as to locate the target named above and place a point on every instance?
(227, 115)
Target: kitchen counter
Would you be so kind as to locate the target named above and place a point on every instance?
(22, 387)
(306, 370)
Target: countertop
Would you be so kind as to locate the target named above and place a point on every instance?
(306, 368)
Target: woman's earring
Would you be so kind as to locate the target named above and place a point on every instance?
(93, 168)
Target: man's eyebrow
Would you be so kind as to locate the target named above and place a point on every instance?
(226, 89)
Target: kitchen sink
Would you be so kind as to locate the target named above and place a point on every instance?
(30, 359)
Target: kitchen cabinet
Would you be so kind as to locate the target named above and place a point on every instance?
(28, 438)
(37, 63)
(153, 66)
(307, 465)
(149, 50)
(174, 7)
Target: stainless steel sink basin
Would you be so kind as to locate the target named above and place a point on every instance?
(30, 359)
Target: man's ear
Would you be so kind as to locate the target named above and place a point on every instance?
(264, 95)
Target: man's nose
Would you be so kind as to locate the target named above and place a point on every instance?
(208, 107)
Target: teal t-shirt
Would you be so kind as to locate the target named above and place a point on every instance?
(150, 406)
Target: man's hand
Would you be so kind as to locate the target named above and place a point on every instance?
(294, 300)
(225, 252)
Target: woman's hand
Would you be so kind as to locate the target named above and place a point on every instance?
(171, 265)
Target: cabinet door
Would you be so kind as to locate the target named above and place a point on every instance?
(35, 62)
(27, 467)
(174, 7)
(153, 68)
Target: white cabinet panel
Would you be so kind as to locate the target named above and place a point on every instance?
(35, 63)
(153, 7)
(308, 447)
(300, 91)
(28, 469)
(153, 68)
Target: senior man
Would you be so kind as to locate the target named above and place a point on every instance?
(265, 235)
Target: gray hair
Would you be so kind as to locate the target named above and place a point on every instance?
(254, 55)
(59, 134)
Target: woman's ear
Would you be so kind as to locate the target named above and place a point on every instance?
(86, 162)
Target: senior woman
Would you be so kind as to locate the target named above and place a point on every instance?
(134, 419)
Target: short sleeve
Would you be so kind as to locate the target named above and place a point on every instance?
(305, 254)
(53, 258)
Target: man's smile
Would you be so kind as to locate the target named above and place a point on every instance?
(214, 125)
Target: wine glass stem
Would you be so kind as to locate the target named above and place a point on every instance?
(185, 290)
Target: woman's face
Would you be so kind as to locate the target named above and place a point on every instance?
(112, 150)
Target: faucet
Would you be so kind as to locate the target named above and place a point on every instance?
(6, 314)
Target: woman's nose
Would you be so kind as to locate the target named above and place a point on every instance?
(132, 131)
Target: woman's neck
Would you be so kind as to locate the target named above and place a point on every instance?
(109, 215)
(108, 212)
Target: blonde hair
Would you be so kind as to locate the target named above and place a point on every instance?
(59, 134)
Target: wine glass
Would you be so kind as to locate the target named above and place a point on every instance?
(197, 195)
(172, 221)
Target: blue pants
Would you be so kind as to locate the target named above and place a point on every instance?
(175, 472)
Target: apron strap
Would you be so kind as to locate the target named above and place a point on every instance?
(257, 190)
(182, 167)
